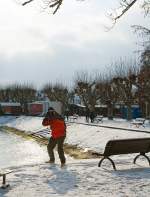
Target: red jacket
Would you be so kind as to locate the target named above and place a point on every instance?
(57, 126)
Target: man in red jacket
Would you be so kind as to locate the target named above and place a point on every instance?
(58, 134)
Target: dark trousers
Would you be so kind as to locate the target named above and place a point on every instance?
(51, 145)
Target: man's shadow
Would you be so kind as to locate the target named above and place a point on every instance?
(62, 180)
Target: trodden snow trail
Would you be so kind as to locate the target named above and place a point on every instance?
(79, 178)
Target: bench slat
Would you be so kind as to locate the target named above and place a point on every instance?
(127, 146)
(3, 172)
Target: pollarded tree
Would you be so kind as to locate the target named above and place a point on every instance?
(108, 96)
(144, 82)
(144, 90)
(2, 94)
(145, 34)
(58, 92)
(22, 93)
(144, 75)
(125, 84)
(18, 93)
(89, 89)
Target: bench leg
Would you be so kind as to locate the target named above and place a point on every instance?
(141, 154)
(4, 179)
(4, 185)
(112, 162)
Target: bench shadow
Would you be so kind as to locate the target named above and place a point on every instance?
(3, 192)
(135, 171)
(138, 172)
(60, 181)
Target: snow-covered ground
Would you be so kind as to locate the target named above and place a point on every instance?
(81, 177)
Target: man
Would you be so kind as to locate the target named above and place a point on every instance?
(58, 135)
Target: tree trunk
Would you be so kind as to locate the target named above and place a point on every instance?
(129, 111)
(110, 111)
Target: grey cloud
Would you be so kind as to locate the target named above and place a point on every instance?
(41, 67)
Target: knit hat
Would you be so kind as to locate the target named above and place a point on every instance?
(51, 109)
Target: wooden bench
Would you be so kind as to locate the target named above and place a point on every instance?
(138, 122)
(3, 174)
(126, 146)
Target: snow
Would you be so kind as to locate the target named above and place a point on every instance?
(81, 177)
(10, 104)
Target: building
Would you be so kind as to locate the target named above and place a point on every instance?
(11, 108)
(40, 108)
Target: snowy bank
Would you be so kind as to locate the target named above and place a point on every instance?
(85, 136)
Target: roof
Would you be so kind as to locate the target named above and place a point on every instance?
(10, 104)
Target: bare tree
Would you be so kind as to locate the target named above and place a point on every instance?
(2, 94)
(88, 89)
(96, 90)
(144, 82)
(125, 6)
(58, 92)
(144, 75)
(108, 95)
(22, 93)
(144, 33)
(144, 90)
(125, 83)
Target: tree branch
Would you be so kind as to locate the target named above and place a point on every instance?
(26, 2)
(51, 3)
(56, 4)
(128, 6)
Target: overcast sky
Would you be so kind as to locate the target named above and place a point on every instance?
(38, 47)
